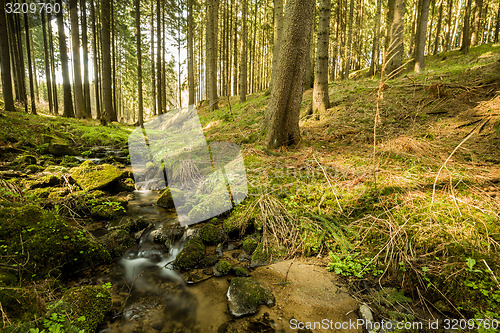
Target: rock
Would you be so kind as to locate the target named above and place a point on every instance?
(117, 242)
(45, 181)
(60, 148)
(92, 177)
(245, 294)
(26, 160)
(211, 234)
(91, 302)
(244, 257)
(249, 245)
(191, 255)
(262, 325)
(366, 314)
(209, 260)
(240, 271)
(166, 200)
(259, 257)
(222, 268)
(216, 203)
(218, 250)
(109, 209)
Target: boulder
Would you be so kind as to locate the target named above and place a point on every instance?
(166, 199)
(245, 294)
(92, 177)
(60, 148)
(191, 255)
(211, 234)
(249, 245)
(222, 268)
(117, 242)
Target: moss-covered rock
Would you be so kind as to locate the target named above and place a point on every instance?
(117, 242)
(260, 256)
(222, 268)
(44, 243)
(245, 294)
(20, 304)
(210, 234)
(191, 255)
(92, 177)
(108, 209)
(216, 203)
(45, 181)
(166, 199)
(249, 245)
(34, 168)
(26, 160)
(59, 148)
(88, 302)
(240, 271)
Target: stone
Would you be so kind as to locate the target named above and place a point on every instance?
(249, 245)
(60, 149)
(90, 176)
(166, 199)
(245, 294)
(191, 255)
(117, 242)
(222, 268)
(211, 234)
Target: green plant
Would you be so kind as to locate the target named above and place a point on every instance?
(351, 265)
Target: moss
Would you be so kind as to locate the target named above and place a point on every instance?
(249, 245)
(259, 255)
(211, 205)
(92, 177)
(240, 271)
(90, 302)
(45, 181)
(117, 242)
(38, 193)
(26, 160)
(166, 199)
(44, 244)
(108, 209)
(222, 268)
(211, 234)
(245, 294)
(34, 168)
(191, 255)
(20, 304)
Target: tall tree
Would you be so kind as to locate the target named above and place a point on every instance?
(96, 60)
(420, 36)
(244, 52)
(497, 27)
(376, 40)
(53, 69)
(278, 32)
(153, 71)
(438, 28)
(476, 37)
(190, 37)
(85, 52)
(349, 41)
(158, 56)
(449, 26)
(63, 51)
(394, 46)
(466, 30)
(281, 118)
(107, 94)
(321, 100)
(139, 61)
(211, 67)
(235, 51)
(30, 69)
(48, 76)
(5, 58)
(77, 71)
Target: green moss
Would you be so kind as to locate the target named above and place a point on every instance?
(117, 242)
(20, 304)
(217, 203)
(166, 200)
(240, 271)
(222, 268)
(259, 255)
(88, 302)
(45, 181)
(191, 255)
(40, 243)
(249, 245)
(108, 209)
(211, 234)
(26, 160)
(34, 168)
(92, 177)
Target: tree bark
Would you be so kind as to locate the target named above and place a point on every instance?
(321, 100)
(497, 27)
(5, 58)
(420, 37)
(235, 51)
(349, 42)
(191, 83)
(77, 72)
(395, 48)
(476, 38)
(376, 40)
(96, 60)
(30, 69)
(55, 99)
(281, 118)
(48, 77)
(244, 52)
(139, 60)
(438, 28)
(68, 100)
(158, 57)
(106, 62)
(449, 26)
(85, 49)
(153, 72)
(465, 35)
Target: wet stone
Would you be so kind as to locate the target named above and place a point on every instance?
(245, 294)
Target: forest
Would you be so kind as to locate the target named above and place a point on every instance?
(250, 166)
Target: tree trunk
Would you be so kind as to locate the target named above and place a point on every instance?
(68, 100)
(48, 77)
(420, 37)
(497, 27)
(438, 28)
(85, 49)
(5, 58)
(465, 34)
(115, 109)
(376, 40)
(53, 71)
(455, 28)
(107, 93)
(139, 60)
(449, 26)
(96, 60)
(475, 38)
(395, 48)
(244, 52)
(30, 69)
(349, 42)
(77, 72)
(281, 118)
(235, 51)
(158, 57)
(191, 83)
(153, 72)
(309, 70)
(430, 25)
(321, 100)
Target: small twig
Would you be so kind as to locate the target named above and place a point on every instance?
(328, 180)
(493, 274)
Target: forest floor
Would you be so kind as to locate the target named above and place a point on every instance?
(405, 210)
